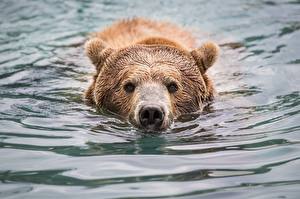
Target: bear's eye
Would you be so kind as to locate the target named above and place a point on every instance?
(172, 87)
(129, 87)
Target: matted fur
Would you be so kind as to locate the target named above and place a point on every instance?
(137, 50)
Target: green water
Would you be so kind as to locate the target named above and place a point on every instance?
(54, 146)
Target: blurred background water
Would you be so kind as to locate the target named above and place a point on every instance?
(54, 146)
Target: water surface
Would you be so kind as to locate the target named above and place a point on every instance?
(55, 146)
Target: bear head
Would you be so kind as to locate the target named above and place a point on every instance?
(151, 82)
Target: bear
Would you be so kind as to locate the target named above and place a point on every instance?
(149, 72)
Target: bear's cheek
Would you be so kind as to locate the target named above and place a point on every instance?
(184, 102)
(121, 103)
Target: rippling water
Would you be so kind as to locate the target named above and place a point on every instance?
(54, 146)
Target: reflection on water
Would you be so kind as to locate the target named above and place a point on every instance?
(246, 145)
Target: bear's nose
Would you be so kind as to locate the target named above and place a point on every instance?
(151, 117)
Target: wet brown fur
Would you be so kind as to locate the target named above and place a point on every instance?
(137, 50)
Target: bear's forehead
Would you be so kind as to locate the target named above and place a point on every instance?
(151, 56)
(139, 73)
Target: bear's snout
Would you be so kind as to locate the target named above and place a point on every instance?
(151, 117)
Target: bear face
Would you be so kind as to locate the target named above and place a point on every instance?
(150, 84)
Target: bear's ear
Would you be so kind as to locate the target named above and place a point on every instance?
(97, 51)
(205, 56)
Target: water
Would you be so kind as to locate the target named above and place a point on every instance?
(55, 146)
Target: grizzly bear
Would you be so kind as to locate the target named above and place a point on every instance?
(149, 72)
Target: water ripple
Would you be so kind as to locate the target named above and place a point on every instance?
(244, 145)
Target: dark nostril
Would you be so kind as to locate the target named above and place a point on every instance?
(157, 115)
(146, 114)
(151, 116)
